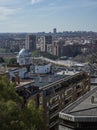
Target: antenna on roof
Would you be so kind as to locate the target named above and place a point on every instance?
(63, 72)
(55, 74)
(92, 99)
(49, 79)
(74, 70)
(40, 79)
(66, 70)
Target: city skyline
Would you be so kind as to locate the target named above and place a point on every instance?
(44, 15)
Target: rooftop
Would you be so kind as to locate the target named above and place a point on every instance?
(24, 83)
(24, 53)
(45, 80)
(83, 108)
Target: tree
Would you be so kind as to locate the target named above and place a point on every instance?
(44, 54)
(10, 104)
(32, 117)
(13, 61)
(12, 115)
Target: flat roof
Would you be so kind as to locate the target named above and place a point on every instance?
(50, 79)
(93, 81)
(82, 109)
(44, 81)
(24, 82)
(68, 73)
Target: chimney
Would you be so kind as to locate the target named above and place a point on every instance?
(13, 78)
(40, 79)
(17, 78)
(74, 70)
(5, 67)
(63, 72)
(55, 74)
(92, 99)
(49, 79)
(66, 70)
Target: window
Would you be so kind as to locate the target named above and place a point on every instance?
(54, 100)
(55, 109)
(68, 100)
(68, 92)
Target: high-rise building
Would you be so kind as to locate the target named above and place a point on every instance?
(41, 43)
(58, 48)
(30, 42)
(54, 30)
(44, 43)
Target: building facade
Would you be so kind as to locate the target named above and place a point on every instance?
(56, 95)
(54, 30)
(80, 115)
(60, 94)
(44, 43)
(30, 42)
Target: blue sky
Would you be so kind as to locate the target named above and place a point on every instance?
(44, 15)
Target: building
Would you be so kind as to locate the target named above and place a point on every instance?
(58, 48)
(24, 57)
(49, 87)
(44, 43)
(27, 68)
(54, 93)
(61, 48)
(41, 43)
(54, 30)
(82, 114)
(3, 66)
(30, 42)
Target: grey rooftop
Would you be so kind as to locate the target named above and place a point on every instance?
(82, 109)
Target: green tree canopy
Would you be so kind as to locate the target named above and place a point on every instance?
(12, 115)
(12, 61)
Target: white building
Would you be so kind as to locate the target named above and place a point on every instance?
(24, 57)
(42, 69)
(27, 68)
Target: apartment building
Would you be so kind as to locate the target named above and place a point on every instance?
(54, 92)
(44, 43)
(30, 42)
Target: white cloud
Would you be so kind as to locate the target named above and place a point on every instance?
(6, 11)
(36, 1)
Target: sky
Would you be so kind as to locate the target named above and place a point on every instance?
(44, 15)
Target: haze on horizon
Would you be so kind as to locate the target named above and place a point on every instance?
(44, 15)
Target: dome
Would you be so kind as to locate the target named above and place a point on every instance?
(24, 53)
